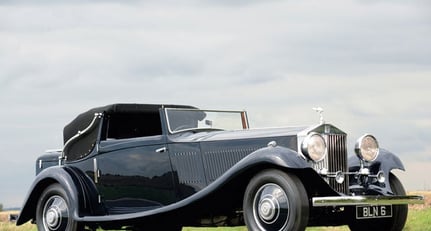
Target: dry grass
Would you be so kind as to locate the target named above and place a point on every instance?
(427, 204)
(6, 225)
(4, 216)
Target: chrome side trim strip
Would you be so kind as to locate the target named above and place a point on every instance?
(366, 200)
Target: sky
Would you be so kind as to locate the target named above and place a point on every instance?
(367, 63)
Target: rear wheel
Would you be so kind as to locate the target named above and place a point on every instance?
(276, 201)
(53, 210)
(394, 223)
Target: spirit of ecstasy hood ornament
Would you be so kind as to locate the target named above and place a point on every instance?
(320, 111)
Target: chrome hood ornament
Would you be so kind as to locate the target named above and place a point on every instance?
(320, 111)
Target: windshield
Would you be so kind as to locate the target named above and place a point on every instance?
(193, 119)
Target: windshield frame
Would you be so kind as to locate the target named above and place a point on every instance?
(243, 119)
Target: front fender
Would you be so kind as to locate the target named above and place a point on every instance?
(279, 156)
(389, 161)
(386, 161)
(268, 157)
(55, 174)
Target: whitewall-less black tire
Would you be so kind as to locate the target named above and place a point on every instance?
(53, 210)
(399, 213)
(276, 201)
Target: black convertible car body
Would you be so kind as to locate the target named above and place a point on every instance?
(146, 167)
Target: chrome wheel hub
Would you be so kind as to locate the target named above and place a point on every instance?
(267, 209)
(271, 207)
(52, 217)
(55, 213)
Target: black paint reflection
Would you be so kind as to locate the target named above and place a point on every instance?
(138, 176)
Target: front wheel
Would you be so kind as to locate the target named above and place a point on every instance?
(276, 201)
(399, 213)
(53, 210)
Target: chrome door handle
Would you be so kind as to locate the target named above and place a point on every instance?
(161, 150)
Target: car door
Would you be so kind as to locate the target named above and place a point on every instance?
(133, 170)
(134, 174)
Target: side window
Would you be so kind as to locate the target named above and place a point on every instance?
(124, 126)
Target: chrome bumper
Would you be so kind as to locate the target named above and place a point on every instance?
(366, 200)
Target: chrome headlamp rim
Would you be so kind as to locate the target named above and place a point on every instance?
(310, 150)
(367, 148)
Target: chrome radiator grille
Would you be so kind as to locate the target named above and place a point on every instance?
(335, 161)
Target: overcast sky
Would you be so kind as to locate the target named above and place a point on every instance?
(366, 62)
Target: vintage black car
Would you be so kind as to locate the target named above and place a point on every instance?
(162, 167)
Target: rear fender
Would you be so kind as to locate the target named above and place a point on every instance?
(67, 178)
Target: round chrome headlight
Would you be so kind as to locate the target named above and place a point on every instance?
(314, 147)
(367, 148)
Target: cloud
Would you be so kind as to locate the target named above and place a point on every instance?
(414, 178)
(163, 41)
(365, 62)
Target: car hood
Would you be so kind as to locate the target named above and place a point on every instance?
(238, 134)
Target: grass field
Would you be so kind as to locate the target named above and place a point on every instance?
(419, 219)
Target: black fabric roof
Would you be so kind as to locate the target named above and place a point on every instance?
(84, 119)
